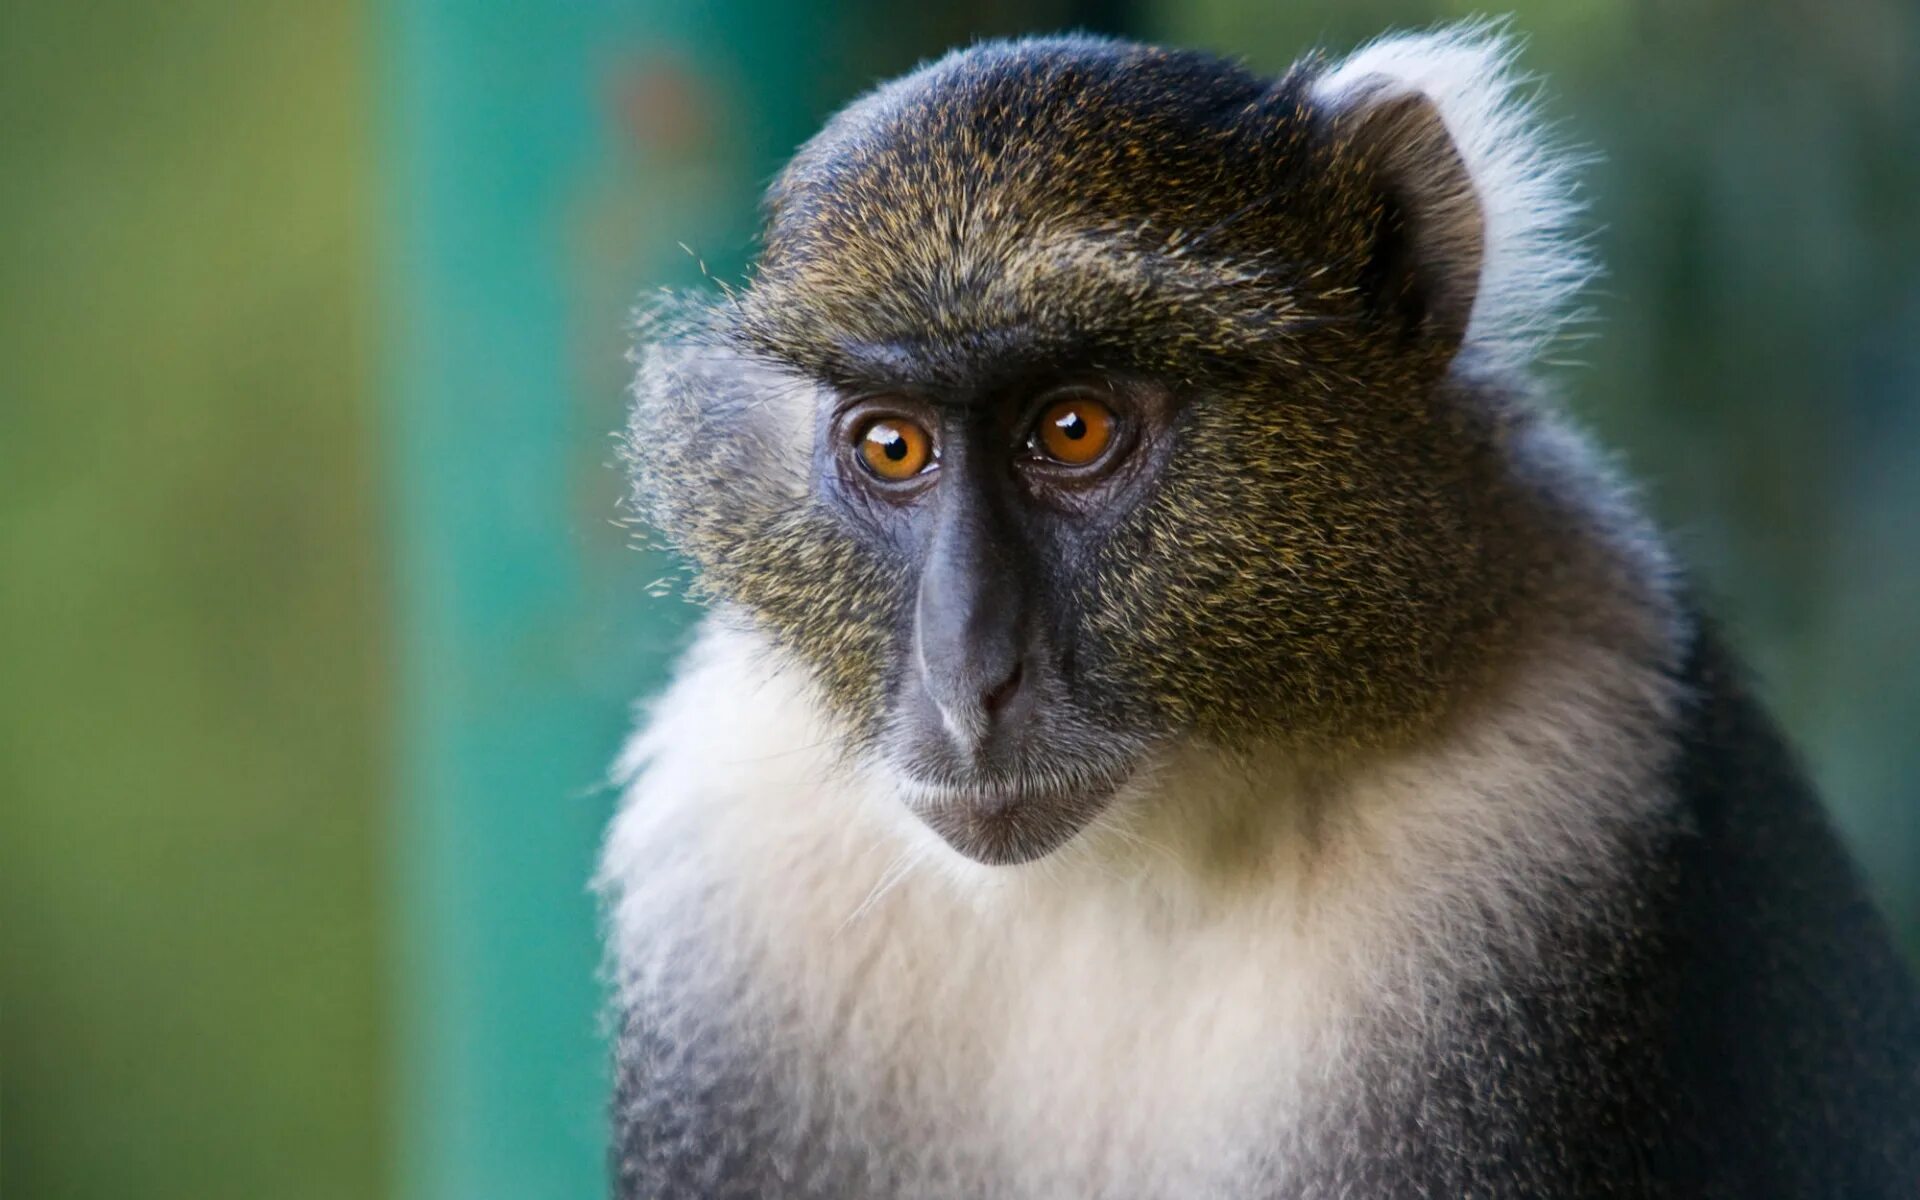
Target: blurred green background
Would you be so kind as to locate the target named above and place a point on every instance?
(315, 633)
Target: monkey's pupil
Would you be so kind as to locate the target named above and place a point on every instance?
(895, 448)
(1073, 425)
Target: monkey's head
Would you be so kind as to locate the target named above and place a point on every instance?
(1090, 396)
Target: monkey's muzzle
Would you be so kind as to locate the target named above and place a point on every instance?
(1009, 827)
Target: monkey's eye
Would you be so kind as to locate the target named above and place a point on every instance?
(1074, 431)
(895, 448)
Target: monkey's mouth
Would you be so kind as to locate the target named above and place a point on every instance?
(1004, 825)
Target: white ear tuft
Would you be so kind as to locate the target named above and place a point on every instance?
(1531, 265)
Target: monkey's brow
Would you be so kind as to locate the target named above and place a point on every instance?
(1050, 303)
(977, 357)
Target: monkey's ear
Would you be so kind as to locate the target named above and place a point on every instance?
(1422, 218)
(1471, 203)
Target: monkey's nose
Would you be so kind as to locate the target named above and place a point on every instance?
(995, 699)
(978, 718)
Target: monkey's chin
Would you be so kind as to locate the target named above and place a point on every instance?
(1007, 828)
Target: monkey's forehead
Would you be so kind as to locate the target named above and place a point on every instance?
(1064, 188)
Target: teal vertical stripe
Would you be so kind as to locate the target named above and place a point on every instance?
(499, 1062)
(545, 160)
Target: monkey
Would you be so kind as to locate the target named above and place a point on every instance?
(1180, 712)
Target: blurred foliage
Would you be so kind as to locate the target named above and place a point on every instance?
(192, 746)
(197, 740)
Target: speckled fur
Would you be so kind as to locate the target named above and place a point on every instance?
(1345, 561)
(1460, 864)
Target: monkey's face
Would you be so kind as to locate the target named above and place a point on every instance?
(995, 501)
(1043, 446)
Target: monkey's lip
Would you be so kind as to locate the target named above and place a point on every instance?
(1007, 824)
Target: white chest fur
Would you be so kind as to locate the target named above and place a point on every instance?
(1152, 1010)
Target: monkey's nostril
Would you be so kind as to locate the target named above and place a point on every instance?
(996, 698)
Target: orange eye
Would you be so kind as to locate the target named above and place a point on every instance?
(1075, 431)
(895, 448)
